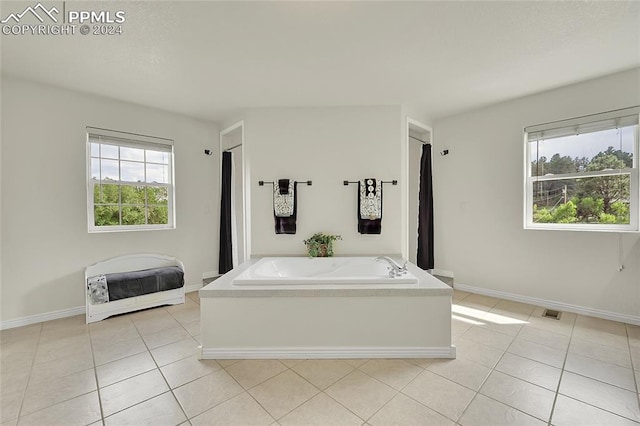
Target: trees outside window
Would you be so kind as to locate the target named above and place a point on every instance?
(585, 175)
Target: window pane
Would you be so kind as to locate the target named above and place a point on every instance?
(133, 215)
(131, 182)
(133, 154)
(109, 151)
(607, 149)
(158, 215)
(106, 194)
(157, 195)
(132, 172)
(95, 149)
(109, 169)
(598, 200)
(95, 168)
(157, 157)
(133, 194)
(157, 173)
(106, 215)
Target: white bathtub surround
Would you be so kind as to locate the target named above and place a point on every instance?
(327, 320)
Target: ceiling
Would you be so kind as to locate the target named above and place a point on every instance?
(211, 59)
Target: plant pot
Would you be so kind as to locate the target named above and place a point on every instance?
(324, 250)
(320, 250)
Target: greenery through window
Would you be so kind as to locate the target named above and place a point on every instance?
(130, 184)
(584, 174)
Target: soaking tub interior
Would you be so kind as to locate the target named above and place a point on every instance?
(320, 271)
(342, 307)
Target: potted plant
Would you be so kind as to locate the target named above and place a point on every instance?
(321, 244)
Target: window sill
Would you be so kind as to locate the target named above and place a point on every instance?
(108, 230)
(582, 229)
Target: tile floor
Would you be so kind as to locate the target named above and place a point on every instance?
(513, 367)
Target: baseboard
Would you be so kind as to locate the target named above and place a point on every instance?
(63, 313)
(328, 352)
(558, 306)
(441, 272)
(34, 319)
(210, 274)
(193, 287)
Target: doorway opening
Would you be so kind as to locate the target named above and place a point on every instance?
(418, 134)
(233, 171)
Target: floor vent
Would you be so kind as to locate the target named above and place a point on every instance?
(550, 313)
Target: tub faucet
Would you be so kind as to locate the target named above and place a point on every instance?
(395, 270)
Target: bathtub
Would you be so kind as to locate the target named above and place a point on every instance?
(296, 307)
(320, 271)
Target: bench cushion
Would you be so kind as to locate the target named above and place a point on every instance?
(136, 283)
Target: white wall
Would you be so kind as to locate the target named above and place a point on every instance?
(327, 146)
(45, 244)
(478, 190)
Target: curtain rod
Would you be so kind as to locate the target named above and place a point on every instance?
(419, 140)
(233, 147)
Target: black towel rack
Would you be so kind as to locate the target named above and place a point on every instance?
(263, 182)
(392, 182)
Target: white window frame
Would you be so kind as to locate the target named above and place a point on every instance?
(583, 125)
(130, 140)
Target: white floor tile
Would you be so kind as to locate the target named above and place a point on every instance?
(81, 410)
(250, 372)
(604, 353)
(320, 410)
(160, 410)
(322, 373)
(570, 412)
(124, 368)
(239, 410)
(524, 396)
(489, 337)
(361, 394)
(402, 410)
(396, 373)
(530, 371)
(132, 391)
(485, 411)
(461, 371)
(283, 393)
(601, 395)
(206, 392)
(599, 370)
(444, 396)
(537, 352)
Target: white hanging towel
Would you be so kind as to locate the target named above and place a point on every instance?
(370, 199)
(283, 201)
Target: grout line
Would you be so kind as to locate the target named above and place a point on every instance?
(302, 403)
(364, 421)
(33, 360)
(243, 391)
(564, 363)
(158, 367)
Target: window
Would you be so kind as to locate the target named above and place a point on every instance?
(582, 173)
(130, 181)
